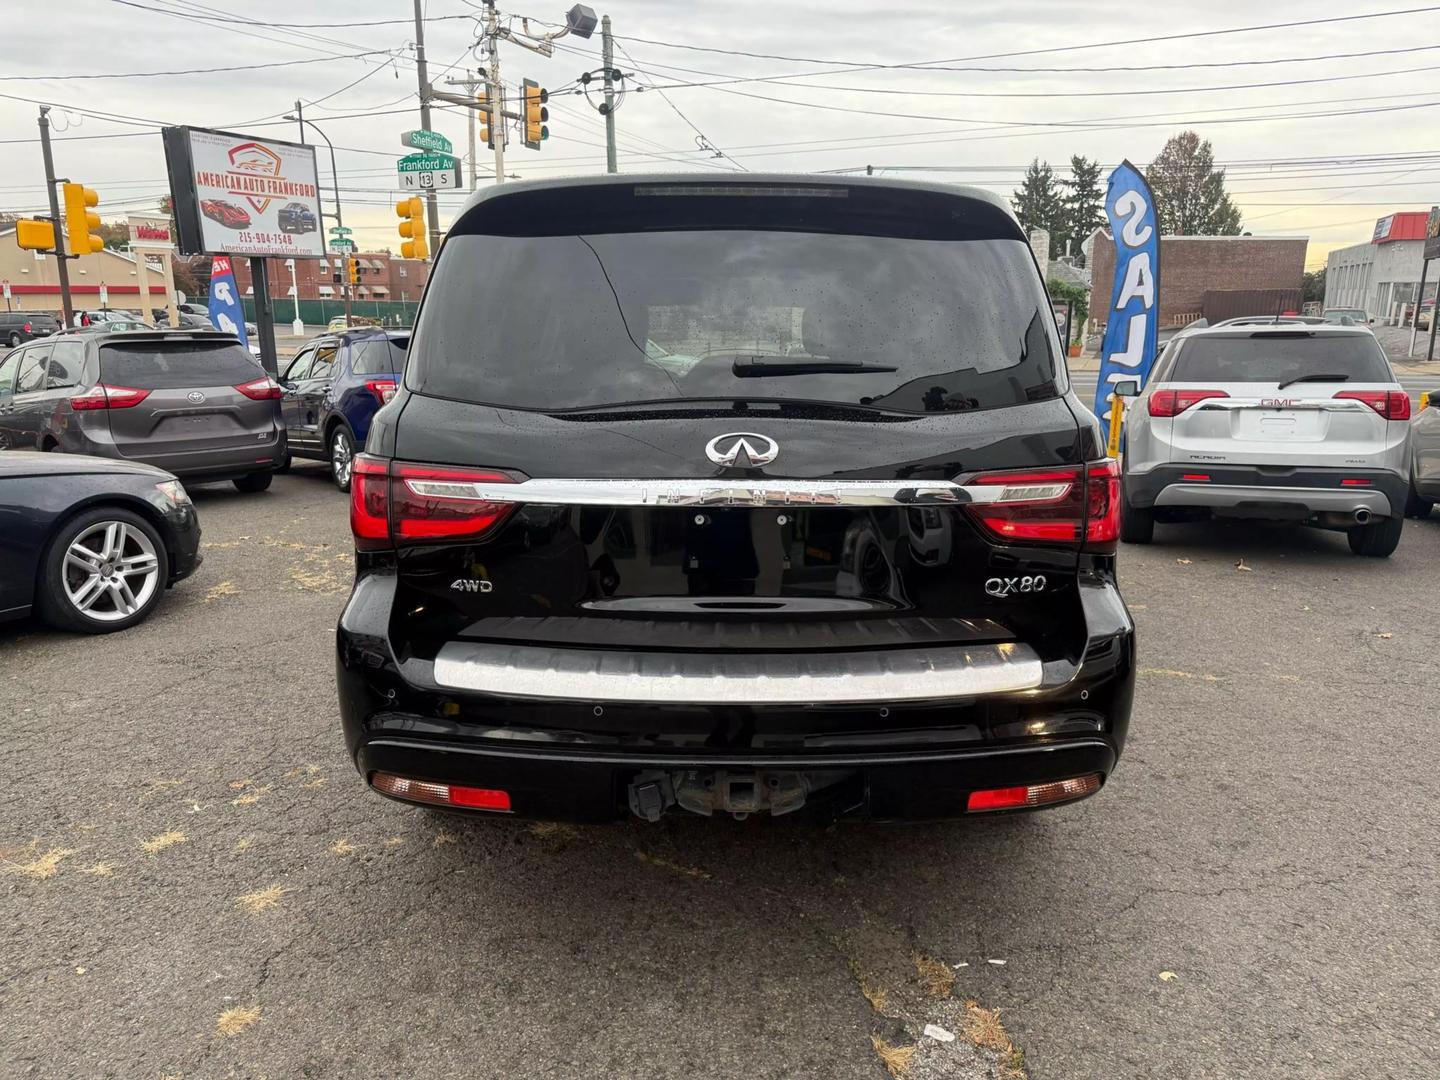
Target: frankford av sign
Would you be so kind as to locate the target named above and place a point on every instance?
(1128, 351)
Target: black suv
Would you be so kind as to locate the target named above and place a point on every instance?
(18, 327)
(735, 496)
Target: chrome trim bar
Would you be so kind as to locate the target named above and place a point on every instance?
(743, 493)
(879, 676)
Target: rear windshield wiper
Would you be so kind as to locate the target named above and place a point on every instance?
(756, 367)
(1320, 377)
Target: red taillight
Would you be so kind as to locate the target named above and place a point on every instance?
(109, 397)
(1013, 798)
(425, 791)
(262, 389)
(369, 502)
(1391, 404)
(383, 389)
(1173, 402)
(403, 503)
(1062, 506)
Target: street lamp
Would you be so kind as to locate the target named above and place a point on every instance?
(339, 218)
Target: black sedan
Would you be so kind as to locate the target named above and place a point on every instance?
(90, 544)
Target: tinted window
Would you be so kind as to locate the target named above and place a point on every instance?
(149, 366)
(324, 361)
(1277, 357)
(66, 361)
(915, 325)
(32, 369)
(376, 356)
(300, 366)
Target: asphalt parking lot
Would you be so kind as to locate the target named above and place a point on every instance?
(194, 883)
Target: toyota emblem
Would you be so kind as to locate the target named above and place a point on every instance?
(742, 449)
(196, 396)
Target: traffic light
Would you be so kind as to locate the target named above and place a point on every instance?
(535, 114)
(35, 235)
(482, 106)
(80, 220)
(352, 270)
(412, 228)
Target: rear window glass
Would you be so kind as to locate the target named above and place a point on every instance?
(375, 356)
(1273, 357)
(149, 366)
(889, 322)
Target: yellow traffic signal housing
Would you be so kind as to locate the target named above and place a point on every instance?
(352, 270)
(80, 220)
(412, 228)
(482, 106)
(535, 114)
(35, 235)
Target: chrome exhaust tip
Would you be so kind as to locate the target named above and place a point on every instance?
(1362, 516)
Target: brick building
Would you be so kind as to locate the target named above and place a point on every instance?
(383, 277)
(1191, 266)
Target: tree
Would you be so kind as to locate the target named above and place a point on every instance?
(1190, 196)
(1312, 286)
(1040, 204)
(114, 234)
(1084, 200)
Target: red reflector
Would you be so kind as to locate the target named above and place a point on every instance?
(1174, 402)
(262, 389)
(433, 794)
(101, 396)
(1011, 798)
(1196, 477)
(1354, 483)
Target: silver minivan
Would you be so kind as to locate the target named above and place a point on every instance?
(195, 403)
(1285, 422)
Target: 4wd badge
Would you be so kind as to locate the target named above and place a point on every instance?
(471, 585)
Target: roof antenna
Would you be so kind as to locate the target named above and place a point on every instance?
(1279, 307)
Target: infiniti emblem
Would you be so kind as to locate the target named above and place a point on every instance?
(196, 396)
(742, 449)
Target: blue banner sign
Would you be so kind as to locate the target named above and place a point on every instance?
(1128, 350)
(226, 311)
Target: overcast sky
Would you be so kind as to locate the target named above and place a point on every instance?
(959, 121)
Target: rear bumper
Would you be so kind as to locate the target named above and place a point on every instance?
(191, 466)
(575, 758)
(1268, 490)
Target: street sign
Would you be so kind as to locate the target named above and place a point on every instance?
(439, 162)
(339, 243)
(427, 140)
(449, 180)
(340, 230)
(7, 290)
(105, 294)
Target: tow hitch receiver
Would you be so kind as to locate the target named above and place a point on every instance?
(737, 792)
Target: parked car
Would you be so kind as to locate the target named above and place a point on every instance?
(1346, 316)
(226, 213)
(17, 327)
(110, 326)
(297, 218)
(194, 403)
(338, 323)
(191, 321)
(91, 544)
(1424, 458)
(332, 388)
(1272, 320)
(873, 575)
(1422, 317)
(1304, 424)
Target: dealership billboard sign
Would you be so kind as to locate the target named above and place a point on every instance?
(238, 194)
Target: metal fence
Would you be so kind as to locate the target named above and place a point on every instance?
(320, 312)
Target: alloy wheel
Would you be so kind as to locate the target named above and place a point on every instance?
(341, 456)
(111, 571)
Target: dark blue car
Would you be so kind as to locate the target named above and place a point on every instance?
(331, 389)
(297, 218)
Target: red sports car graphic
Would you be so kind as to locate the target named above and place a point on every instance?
(227, 214)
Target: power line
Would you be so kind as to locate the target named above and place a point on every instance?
(703, 141)
(195, 71)
(220, 18)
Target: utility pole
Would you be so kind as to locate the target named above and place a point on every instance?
(471, 83)
(50, 181)
(432, 204)
(339, 213)
(496, 90)
(608, 59)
